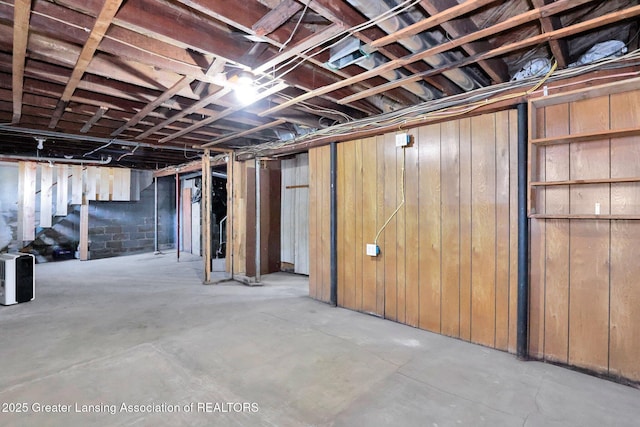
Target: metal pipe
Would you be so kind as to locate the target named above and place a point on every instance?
(155, 215)
(258, 264)
(523, 236)
(87, 138)
(333, 214)
(178, 217)
(55, 159)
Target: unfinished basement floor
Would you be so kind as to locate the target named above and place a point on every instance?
(142, 330)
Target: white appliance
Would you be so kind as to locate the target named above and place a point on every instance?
(17, 278)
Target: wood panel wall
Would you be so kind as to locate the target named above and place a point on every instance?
(319, 222)
(294, 240)
(585, 294)
(448, 259)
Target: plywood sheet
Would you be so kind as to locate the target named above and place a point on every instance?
(104, 183)
(27, 200)
(91, 183)
(121, 184)
(412, 232)
(76, 185)
(369, 212)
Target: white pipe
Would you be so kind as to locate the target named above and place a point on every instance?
(55, 159)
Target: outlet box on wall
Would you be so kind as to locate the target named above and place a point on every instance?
(373, 249)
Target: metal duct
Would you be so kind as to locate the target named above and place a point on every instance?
(420, 42)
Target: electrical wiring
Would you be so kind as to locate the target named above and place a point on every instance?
(452, 106)
(295, 29)
(402, 191)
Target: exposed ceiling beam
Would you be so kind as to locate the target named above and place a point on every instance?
(169, 93)
(495, 68)
(22, 12)
(244, 133)
(275, 89)
(571, 30)
(340, 12)
(430, 22)
(97, 116)
(216, 67)
(278, 16)
(195, 107)
(548, 10)
(559, 48)
(103, 21)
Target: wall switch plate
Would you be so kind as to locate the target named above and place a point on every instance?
(372, 249)
(402, 139)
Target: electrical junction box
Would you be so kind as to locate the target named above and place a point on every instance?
(373, 249)
(403, 139)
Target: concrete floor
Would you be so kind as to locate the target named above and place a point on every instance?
(142, 330)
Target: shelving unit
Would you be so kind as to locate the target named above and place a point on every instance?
(535, 185)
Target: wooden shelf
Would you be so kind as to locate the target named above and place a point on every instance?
(586, 137)
(584, 181)
(582, 216)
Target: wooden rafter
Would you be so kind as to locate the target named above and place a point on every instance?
(169, 93)
(262, 95)
(97, 116)
(195, 107)
(22, 12)
(244, 133)
(548, 10)
(512, 47)
(430, 22)
(103, 21)
(495, 68)
(216, 67)
(559, 48)
(278, 16)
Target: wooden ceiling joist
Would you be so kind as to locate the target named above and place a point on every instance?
(268, 92)
(532, 15)
(22, 12)
(97, 116)
(278, 16)
(100, 27)
(495, 68)
(512, 47)
(244, 133)
(559, 48)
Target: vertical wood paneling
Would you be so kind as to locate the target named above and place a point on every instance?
(513, 231)
(313, 224)
(91, 183)
(589, 241)
(502, 231)
(27, 200)
(456, 208)
(465, 229)
(450, 213)
(121, 184)
(557, 257)
(537, 255)
(380, 219)
(359, 245)
(483, 217)
(391, 186)
(46, 195)
(591, 302)
(325, 219)
(287, 235)
(412, 256)
(62, 190)
(301, 248)
(401, 256)
(430, 283)
(104, 184)
(369, 212)
(624, 345)
(76, 185)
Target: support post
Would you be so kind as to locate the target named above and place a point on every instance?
(206, 214)
(155, 215)
(177, 217)
(523, 236)
(333, 213)
(258, 220)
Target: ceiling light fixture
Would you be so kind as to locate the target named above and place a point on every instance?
(41, 141)
(245, 89)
